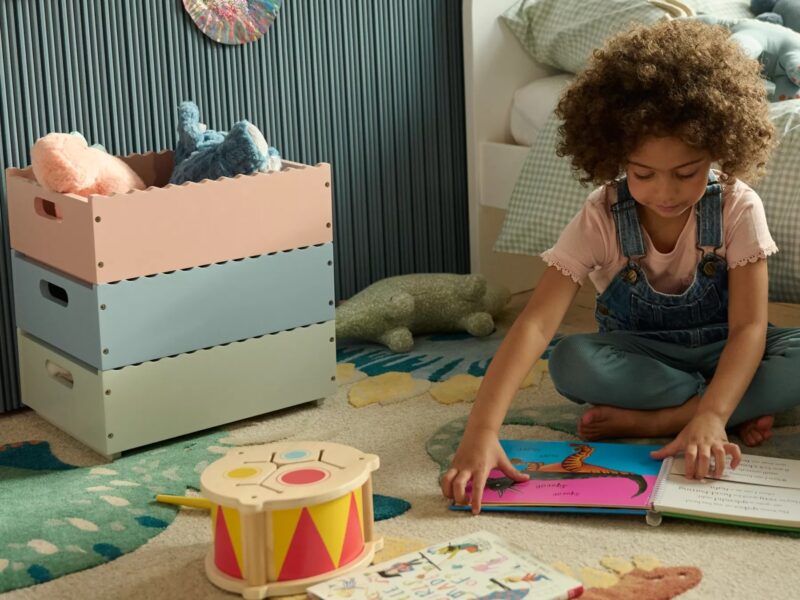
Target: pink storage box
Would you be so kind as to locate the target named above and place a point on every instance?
(166, 227)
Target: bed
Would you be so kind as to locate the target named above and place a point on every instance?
(495, 67)
(497, 70)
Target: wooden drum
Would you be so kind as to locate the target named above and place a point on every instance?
(288, 515)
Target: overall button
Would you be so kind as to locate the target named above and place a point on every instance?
(709, 268)
(602, 309)
(631, 276)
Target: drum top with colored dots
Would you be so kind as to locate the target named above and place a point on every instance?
(285, 475)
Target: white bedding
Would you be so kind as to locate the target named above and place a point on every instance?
(533, 104)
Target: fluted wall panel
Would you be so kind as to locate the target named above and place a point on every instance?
(374, 87)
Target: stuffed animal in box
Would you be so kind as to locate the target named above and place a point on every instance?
(391, 311)
(780, 12)
(777, 48)
(65, 163)
(203, 153)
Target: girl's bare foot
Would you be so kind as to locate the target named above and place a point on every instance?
(756, 431)
(604, 422)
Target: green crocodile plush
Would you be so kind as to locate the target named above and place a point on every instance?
(391, 311)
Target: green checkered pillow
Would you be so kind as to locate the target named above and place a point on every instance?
(725, 9)
(547, 195)
(563, 33)
(780, 191)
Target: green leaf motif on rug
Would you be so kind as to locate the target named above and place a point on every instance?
(434, 357)
(443, 444)
(58, 518)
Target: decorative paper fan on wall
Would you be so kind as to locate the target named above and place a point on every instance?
(233, 21)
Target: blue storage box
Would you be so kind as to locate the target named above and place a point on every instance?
(117, 324)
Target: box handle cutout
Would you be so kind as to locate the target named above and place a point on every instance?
(47, 209)
(54, 293)
(60, 374)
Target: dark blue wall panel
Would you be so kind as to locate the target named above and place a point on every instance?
(374, 87)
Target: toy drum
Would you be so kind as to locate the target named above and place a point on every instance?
(288, 515)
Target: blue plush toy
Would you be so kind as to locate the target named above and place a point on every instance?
(777, 48)
(203, 153)
(780, 12)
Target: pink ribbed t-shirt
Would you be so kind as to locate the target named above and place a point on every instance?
(588, 245)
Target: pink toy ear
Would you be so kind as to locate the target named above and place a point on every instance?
(65, 163)
(61, 163)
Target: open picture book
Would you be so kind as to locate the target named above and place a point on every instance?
(622, 478)
(478, 566)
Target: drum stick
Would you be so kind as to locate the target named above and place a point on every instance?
(185, 501)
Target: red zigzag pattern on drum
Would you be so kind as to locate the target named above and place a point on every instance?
(307, 555)
(225, 555)
(353, 537)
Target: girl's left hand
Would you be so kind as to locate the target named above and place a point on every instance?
(704, 436)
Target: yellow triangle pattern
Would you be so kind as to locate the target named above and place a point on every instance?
(214, 510)
(331, 521)
(284, 522)
(234, 521)
(360, 507)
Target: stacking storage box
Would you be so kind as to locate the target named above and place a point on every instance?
(153, 314)
(112, 325)
(109, 238)
(116, 410)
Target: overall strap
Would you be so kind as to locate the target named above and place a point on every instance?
(709, 215)
(629, 231)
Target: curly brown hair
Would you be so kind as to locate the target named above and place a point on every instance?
(678, 77)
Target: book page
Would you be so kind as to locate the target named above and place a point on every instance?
(478, 565)
(575, 474)
(761, 470)
(729, 500)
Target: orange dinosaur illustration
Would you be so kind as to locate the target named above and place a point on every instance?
(572, 467)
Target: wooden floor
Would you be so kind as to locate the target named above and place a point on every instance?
(580, 316)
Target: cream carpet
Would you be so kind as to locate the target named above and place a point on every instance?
(736, 563)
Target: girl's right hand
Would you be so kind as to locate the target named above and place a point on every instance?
(478, 453)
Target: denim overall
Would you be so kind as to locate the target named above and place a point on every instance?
(658, 350)
(696, 317)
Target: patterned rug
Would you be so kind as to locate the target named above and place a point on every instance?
(59, 518)
(66, 518)
(450, 367)
(73, 518)
(434, 357)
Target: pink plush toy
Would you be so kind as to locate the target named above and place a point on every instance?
(64, 162)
